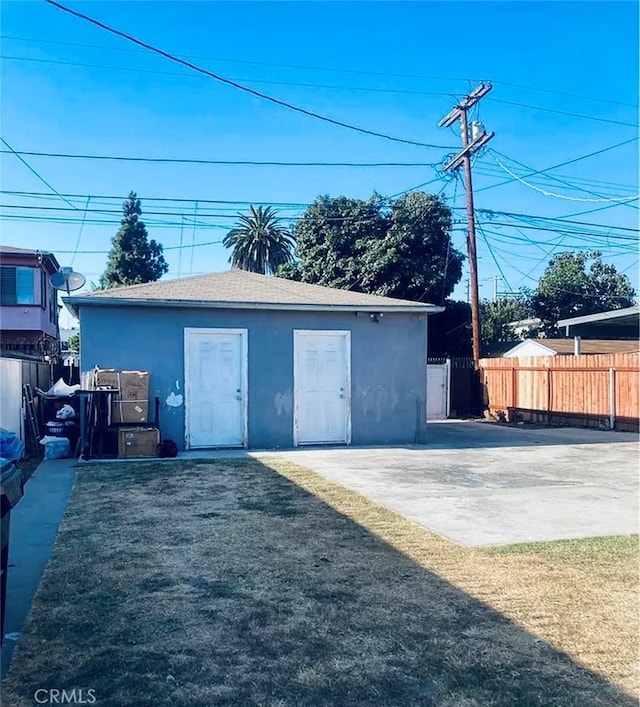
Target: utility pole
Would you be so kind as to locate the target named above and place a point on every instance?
(470, 145)
(496, 279)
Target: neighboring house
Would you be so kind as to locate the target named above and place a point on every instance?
(524, 328)
(28, 303)
(245, 360)
(615, 324)
(69, 356)
(570, 347)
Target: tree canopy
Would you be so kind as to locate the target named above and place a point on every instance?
(259, 242)
(495, 317)
(392, 247)
(577, 284)
(133, 258)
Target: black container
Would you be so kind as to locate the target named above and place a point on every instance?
(56, 428)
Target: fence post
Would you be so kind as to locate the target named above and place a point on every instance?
(612, 398)
(548, 395)
(447, 410)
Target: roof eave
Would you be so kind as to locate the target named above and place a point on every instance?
(46, 257)
(599, 317)
(74, 303)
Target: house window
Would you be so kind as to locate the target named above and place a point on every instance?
(16, 285)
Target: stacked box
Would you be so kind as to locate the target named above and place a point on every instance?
(138, 442)
(132, 402)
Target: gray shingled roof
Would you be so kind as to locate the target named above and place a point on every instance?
(237, 288)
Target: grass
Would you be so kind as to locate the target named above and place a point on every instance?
(262, 583)
(29, 463)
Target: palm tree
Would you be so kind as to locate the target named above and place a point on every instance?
(259, 242)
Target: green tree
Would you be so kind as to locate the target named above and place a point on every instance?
(133, 258)
(577, 284)
(495, 317)
(395, 248)
(74, 343)
(259, 242)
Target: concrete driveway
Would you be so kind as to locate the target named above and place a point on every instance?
(479, 483)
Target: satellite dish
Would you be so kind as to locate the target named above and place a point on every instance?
(67, 279)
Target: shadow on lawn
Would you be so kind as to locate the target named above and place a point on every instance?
(223, 583)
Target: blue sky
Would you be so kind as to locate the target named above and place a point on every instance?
(394, 68)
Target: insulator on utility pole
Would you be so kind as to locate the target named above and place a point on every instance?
(472, 140)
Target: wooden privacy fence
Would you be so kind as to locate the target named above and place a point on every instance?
(592, 391)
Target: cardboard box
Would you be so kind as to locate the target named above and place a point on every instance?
(129, 411)
(138, 442)
(132, 403)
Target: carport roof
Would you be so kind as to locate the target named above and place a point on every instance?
(244, 290)
(628, 317)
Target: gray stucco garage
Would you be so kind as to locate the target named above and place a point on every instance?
(481, 483)
(244, 360)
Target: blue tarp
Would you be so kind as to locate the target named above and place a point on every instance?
(10, 446)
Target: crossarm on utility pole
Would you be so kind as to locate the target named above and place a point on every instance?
(463, 158)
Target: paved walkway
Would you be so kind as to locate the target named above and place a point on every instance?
(34, 527)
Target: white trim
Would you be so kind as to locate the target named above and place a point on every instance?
(244, 362)
(297, 333)
(73, 303)
(448, 399)
(600, 316)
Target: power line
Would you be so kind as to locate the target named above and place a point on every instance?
(563, 164)
(561, 196)
(240, 87)
(495, 260)
(287, 204)
(33, 171)
(332, 70)
(564, 112)
(368, 89)
(552, 218)
(84, 216)
(491, 170)
(575, 233)
(418, 186)
(297, 84)
(239, 163)
(508, 239)
(294, 205)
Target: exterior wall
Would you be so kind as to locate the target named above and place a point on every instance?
(30, 317)
(388, 365)
(11, 398)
